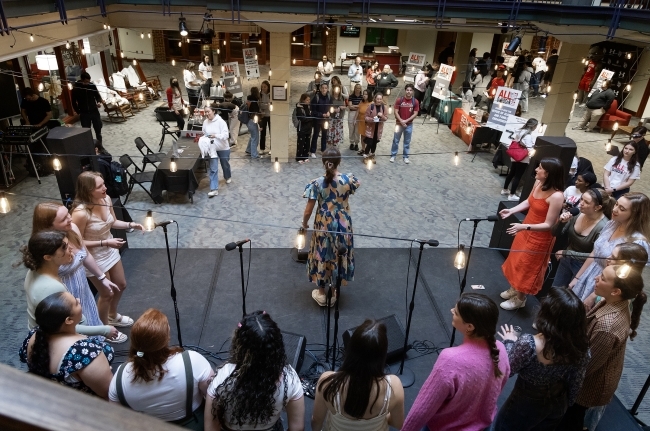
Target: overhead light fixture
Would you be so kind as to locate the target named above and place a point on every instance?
(149, 35)
(504, 27)
(105, 27)
(182, 26)
(514, 44)
(373, 20)
(31, 38)
(141, 35)
(405, 20)
(542, 44)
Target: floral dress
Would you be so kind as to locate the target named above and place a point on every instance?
(333, 216)
(78, 357)
(335, 132)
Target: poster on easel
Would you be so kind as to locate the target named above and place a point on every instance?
(505, 105)
(443, 78)
(250, 63)
(414, 64)
(605, 75)
(232, 80)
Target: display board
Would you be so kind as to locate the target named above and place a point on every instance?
(505, 105)
(414, 64)
(350, 31)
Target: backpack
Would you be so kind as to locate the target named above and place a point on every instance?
(294, 119)
(243, 116)
(114, 176)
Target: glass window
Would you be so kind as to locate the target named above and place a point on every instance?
(381, 36)
(236, 50)
(173, 50)
(317, 45)
(297, 43)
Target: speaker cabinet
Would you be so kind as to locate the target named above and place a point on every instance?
(294, 347)
(75, 148)
(395, 334)
(560, 147)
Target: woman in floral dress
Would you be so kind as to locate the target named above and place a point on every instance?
(337, 112)
(331, 191)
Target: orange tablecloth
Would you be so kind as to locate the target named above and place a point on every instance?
(463, 126)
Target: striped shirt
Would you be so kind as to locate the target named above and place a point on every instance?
(355, 100)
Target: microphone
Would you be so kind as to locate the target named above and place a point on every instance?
(163, 223)
(234, 245)
(488, 218)
(430, 242)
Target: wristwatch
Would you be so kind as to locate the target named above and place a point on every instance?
(528, 227)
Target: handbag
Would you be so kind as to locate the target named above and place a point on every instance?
(517, 151)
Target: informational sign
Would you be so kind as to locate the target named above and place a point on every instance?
(350, 31)
(443, 78)
(414, 64)
(505, 104)
(515, 123)
(605, 75)
(445, 72)
(232, 80)
(250, 63)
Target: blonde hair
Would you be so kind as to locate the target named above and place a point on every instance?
(44, 215)
(189, 65)
(84, 190)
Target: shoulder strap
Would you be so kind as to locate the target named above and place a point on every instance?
(118, 386)
(189, 383)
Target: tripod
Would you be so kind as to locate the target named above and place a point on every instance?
(342, 251)
(406, 375)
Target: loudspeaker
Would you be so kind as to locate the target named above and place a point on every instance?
(500, 238)
(560, 147)
(294, 348)
(75, 148)
(395, 334)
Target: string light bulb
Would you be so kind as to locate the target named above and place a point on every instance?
(67, 45)
(575, 96)
(286, 84)
(390, 110)
(369, 163)
(459, 260)
(388, 92)
(122, 54)
(41, 87)
(83, 51)
(270, 72)
(468, 130)
(149, 35)
(255, 119)
(31, 38)
(456, 158)
(548, 88)
(623, 271)
(629, 55)
(69, 85)
(271, 107)
(135, 61)
(331, 109)
(56, 163)
(173, 62)
(255, 56)
(300, 239)
(224, 43)
(327, 32)
(173, 167)
(531, 152)
(109, 26)
(294, 38)
(223, 68)
(141, 35)
(505, 72)
(218, 51)
(4, 203)
(608, 145)
(294, 61)
(446, 108)
(260, 41)
(105, 27)
(326, 125)
(276, 165)
(180, 43)
(141, 96)
(149, 224)
(628, 87)
(615, 127)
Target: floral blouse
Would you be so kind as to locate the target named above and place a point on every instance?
(523, 361)
(78, 356)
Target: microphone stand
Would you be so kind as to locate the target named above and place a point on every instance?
(243, 289)
(341, 252)
(173, 289)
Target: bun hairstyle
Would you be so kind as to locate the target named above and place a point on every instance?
(633, 254)
(604, 199)
(41, 244)
(632, 288)
(50, 314)
(482, 312)
(331, 161)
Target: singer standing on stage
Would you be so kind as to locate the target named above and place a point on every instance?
(526, 264)
(332, 192)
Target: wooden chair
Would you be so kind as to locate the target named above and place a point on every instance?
(152, 81)
(116, 113)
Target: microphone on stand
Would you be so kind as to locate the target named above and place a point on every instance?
(488, 218)
(234, 245)
(163, 223)
(429, 242)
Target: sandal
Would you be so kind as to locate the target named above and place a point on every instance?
(120, 321)
(119, 338)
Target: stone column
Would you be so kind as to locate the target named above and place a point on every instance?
(567, 75)
(159, 49)
(280, 64)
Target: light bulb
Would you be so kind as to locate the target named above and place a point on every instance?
(454, 68)
(69, 85)
(271, 107)
(326, 125)
(56, 164)
(218, 51)
(446, 108)
(105, 27)
(608, 145)
(141, 96)
(255, 119)
(173, 167)
(496, 67)
(369, 163)
(180, 43)
(615, 128)
(628, 87)
(294, 38)
(276, 165)
(4, 203)
(122, 54)
(327, 32)
(67, 45)
(331, 109)
(459, 261)
(224, 43)
(141, 35)
(222, 68)
(575, 96)
(388, 92)
(149, 35)
(548, 89)
(316, 75)
(531, 152)
(469, 130)
(109, 27)
(260, 41)
(629, 55)
(294, 61)
(149, 224)
(270, 73)
(234, 79)
(173, 62)
(135, 62)
(286, 84)
(31, 38)
(300, 239)
(456, 158)
(255, 56)
(41, 87)
(83, 51)
(390, 110)
(505, 72)
(623, 271)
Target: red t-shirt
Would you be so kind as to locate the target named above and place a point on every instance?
(405, 107)
(496, 83)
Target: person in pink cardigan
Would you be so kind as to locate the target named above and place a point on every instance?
(462, 390)
(375, 119)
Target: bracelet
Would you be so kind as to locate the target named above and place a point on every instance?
(102, 277)
(129, 225)
(576, 278)
(101, 243)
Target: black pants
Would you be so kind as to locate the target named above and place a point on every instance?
(318, 128)
(516, 172)
(95, 119)
(618, 193)
(434, 106)
(180, 122)
(302, 152)
(419, 96)
(573, 419)
(193, 96)
(264, 123)
(371, 145)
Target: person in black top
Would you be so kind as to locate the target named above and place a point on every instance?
(253, 107)
(353, 104)
(86, 101)
(638, 136)
(225, 109)
(320, 108)
(303, 114)
(551, 62)
(35, 110)
(447, 54)
(386, 80)
(597, 104)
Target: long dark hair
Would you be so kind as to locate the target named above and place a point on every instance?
(248, 392)
(331, 161)
(482, 312)
(633, 160)
(632, 288)
(173, 84)
(41, 244)
(255, 93)
(50, 314)
(362, 369)
(555, 171)
(562, 321)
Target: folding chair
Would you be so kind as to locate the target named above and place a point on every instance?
(163, 117)
(148, 156)
(138, 177)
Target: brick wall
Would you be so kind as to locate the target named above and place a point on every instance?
(159, 54)
(330, 49)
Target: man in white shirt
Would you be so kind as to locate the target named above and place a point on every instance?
(539, 64)
(214, 144)
(325, 68)
(355, 72)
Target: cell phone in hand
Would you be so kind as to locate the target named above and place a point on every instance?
(478, 287)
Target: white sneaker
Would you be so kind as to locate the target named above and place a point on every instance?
(213, 193)
(313, 155)
(582, 105)
(513, 303)
(505, 191)
(513, 198)
(392, 160)
(229, 180)
(406, 160)
(507, 294)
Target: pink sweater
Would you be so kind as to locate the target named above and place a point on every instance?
(461, 392)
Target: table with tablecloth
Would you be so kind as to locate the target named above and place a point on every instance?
(471, 132)
(451, 101)
(184, 179)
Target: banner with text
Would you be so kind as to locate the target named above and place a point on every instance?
(250, 62)
(414, 64)
(515, 123)
(505, 104)
(231, 79)
(604, 76)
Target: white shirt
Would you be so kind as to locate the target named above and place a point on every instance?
(620, 174)
(325, 69)
(205, 70)
(539, 64)
(164, 399)
(219, 129)
(525, 139)
(294, 392)
(188, 77)
(421, 80)
(572, 195)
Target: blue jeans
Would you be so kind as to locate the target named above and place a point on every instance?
(566, 270)
(318, 128)
(408, 131)
(224, 159)
(254, 132)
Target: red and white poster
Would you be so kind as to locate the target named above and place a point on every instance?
(505, 105)
(413, 65)
(250, 63)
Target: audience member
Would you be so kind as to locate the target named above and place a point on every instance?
(337, 113)
(622, 171)
(361, 120)
(420, 83)
(359, 395)
(586, 81)
(572, 194)
(314, 86)
(35, 110)
(214, 144)
(525, 138)
(523, 83)
(582, 231)
(265, 114)
(55, 351)
(154, 380)
(638, 137)
(372, 73)
(406, 109)
(375, 119)
(253, 108)
(462, 390)
(336, 82)
(192, 85)
(355, 73)
(253, 388)
(205, 74)
(550, 365)
(597, 104)
(176, 103)
(494, 85)
(86, 102)
(539, 64)
(320, 111)
(303, 114)
(353, 117)
(325, 67)
(477, 85)
(471, 63)
(386, 80)
(228, 112)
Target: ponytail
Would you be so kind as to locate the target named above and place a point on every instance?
(494, 353)
(637, 307)
(39, 359)
(50, 314)
(331, 161)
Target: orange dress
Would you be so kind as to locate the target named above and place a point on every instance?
(525, 271)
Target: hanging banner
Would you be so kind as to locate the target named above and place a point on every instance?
(231, 79)
(414, 64)
(605, 75)
(250, 63)
(505, 104)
